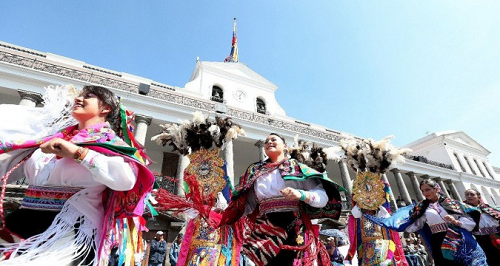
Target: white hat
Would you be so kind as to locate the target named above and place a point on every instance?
(159, 233)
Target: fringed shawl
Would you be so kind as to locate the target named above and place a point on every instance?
(125, 205)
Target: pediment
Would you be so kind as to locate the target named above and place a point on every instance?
(232, 70)
(463, 139)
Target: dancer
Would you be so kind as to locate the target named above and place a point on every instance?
(275, 201)
(445, 225)
(206, 185)
(86, 183)
(487, 232)
(374, 245)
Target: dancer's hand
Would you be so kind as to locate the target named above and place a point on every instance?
(291, 193)
(452, 220)
(59, 147)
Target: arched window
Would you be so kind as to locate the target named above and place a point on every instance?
(217, 94)
(261, 106)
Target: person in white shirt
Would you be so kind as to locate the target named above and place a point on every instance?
(488, 230)
(446, 219)
(276, 200)
(75, 181)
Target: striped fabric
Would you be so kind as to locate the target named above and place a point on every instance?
(264, 241)
(277, 204)
(47, 198)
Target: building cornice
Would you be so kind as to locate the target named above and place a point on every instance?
(239, 79)
(439, 172)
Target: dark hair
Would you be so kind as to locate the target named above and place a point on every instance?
(279, 136)
(476, 191)
(429, 182)
(108, 98)
(432, 184)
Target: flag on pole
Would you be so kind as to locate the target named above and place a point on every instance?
(233, 56)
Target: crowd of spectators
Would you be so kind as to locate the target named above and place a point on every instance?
(415, 252)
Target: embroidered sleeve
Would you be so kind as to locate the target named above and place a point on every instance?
(111, 171)
(316, 193)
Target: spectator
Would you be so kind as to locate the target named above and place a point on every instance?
(411, 253)
(158, 250)
(335, 256)
(174, 250)
(400, 202)
(421, 252)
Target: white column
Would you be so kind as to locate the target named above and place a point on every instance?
(229, 157)
(473, 165)
(262, 153)
(416, 185)
(28, 98)
(346, 178)
(482, 168)
(490, 170)
(443, 187)
(464, 163)
(392, 199)
(455, 162)
(141, 127)
(402, 187)
(181, 166)
(454, 190)
(346, 183)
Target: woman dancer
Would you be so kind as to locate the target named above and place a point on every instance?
(279, 196)
(81, 179)
(487, 232)
(445, 225)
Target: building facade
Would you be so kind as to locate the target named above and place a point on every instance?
(233, 90)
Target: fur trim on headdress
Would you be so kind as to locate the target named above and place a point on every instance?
(200, 132)
(315, 157)
(373, 156)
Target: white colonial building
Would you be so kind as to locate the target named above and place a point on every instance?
(232, 89)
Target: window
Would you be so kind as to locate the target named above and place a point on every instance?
(217, 94)
(261, 106)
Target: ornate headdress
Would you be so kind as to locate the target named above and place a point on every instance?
(313, 156)
(195, 138)
(370, 159)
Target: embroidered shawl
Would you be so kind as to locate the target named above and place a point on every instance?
(289, 170)
(101, 138)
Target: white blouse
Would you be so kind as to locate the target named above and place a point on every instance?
(269, 186)
(93, 175)
(487, 221)
(434, 214)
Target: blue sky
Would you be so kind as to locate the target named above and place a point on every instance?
(370, 68)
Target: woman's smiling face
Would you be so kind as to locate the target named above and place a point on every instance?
(88, 106)
(274, 145)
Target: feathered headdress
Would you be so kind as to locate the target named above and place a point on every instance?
(315, 157)
(200, 132)
(372, 156)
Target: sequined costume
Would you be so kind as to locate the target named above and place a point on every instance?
(374, 245)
